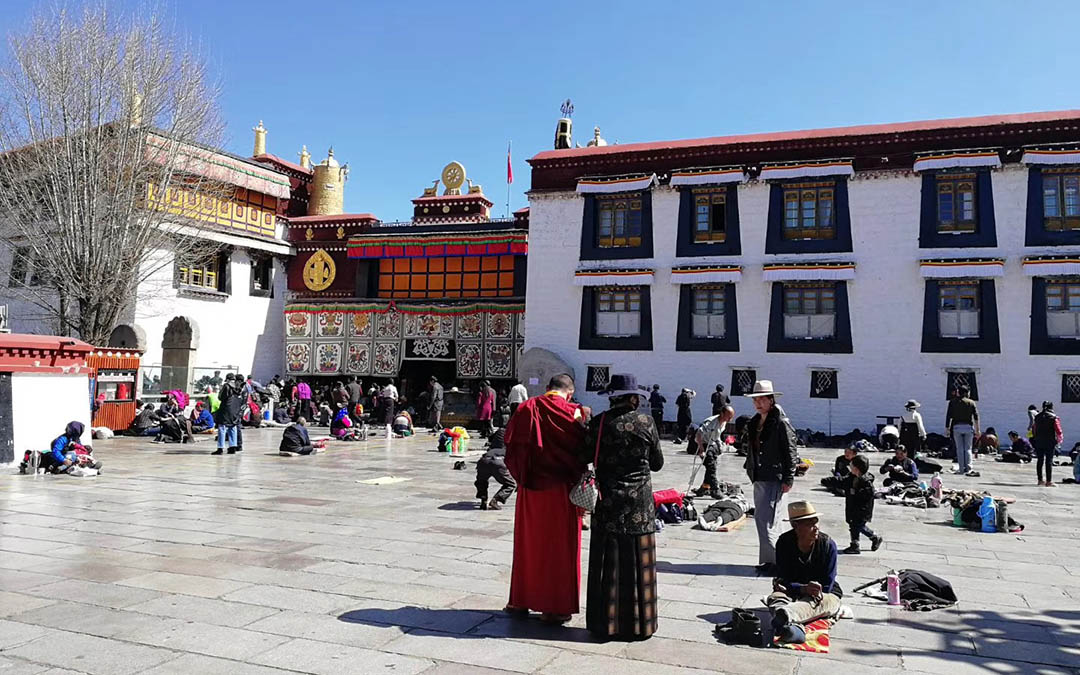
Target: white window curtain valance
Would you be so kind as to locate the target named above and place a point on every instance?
(1051, 157)
(960, 269)
(612, 184)
(614, 277)
(784, 171)
(707, 176)
(954, 160)
(1052, 267)
(706, 275)
(809, 272)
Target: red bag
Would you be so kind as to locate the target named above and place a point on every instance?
(667, 497)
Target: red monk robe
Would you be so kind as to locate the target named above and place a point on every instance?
(542, 443)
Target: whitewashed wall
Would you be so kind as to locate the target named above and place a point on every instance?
(42, 405)
(886, 302)
(239, 330)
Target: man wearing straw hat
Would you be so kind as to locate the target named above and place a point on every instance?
(804, 586)
(770, 464)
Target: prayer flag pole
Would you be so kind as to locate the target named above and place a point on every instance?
(509, 177)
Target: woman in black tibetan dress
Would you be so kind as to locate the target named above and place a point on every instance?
(622, 599)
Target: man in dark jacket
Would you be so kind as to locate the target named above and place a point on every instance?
(720, 400)
(900, 468)
(1046, 436)
(656, 406)
(804, 586)
(493, 465)
(436, 405)
(770, 464)
(1019, 451)
(295, 440)
(859, 504)
(228, 416)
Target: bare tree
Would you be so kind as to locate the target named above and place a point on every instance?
(101, 116)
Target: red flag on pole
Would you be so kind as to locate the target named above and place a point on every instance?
(509, 166)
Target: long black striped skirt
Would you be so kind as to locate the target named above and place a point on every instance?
(622, 586)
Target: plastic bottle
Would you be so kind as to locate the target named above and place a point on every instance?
(988, 513)
(935, 483)
(892, 585)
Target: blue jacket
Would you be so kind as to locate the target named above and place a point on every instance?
(59, 446)
(205, 420)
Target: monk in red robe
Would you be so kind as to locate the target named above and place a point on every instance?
(543, 441)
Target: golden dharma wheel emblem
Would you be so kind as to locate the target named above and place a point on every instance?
(319, 271)
(453, 176)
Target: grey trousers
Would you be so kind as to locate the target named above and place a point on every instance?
(963, 435)
(805, 610)
(768, 513)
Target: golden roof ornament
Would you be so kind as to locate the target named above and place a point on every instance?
(453, 177)
(260, 140)
(305, 157)
(432, 191)
(597, 141)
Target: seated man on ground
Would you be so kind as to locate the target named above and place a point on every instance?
(146, 423)
(841, 470)
(201, 419)
(710, 444)
(1020, 450)
(295, 440)
(805, 587)
(900, 468)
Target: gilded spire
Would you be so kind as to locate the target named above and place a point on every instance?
(305, 157)
(260, 140)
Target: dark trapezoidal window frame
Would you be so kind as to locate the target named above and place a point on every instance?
(590, 223)
(587, 337)
(988, 342)
(685, 246)
(841, 215)
(985, 234)
(685, 341)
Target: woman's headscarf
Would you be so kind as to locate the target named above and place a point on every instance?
(341, 414)
(74, 430)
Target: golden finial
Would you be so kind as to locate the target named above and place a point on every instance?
(260, 140)
(305, 157)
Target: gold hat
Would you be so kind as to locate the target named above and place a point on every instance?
(801, 510)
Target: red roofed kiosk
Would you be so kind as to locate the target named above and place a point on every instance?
(44, 384)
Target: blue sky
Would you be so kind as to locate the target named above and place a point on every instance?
(402, 88)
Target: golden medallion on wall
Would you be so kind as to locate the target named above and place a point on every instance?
(309, 234)
(340, 232)
(319, 271)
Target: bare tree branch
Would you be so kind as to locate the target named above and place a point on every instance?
(99, 111)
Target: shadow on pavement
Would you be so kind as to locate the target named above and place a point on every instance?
(707, 569)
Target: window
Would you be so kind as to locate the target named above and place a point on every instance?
(808, 211)
(742, 381)
(809, 311)
(1063, 309)
(1070, 388)
(954, 379)
(20, 265)
(958, 309)
(1061, 201)
(452, 277)
(823, 384)
(618, 313)
(710, 216)
(707, 315)
(199, 272)
(956, 202)
(597, 377)
(619, 222)
(262, 277)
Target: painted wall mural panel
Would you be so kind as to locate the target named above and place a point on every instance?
(328, 357)
(375, 339)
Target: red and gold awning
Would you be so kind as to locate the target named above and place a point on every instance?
(439, 245)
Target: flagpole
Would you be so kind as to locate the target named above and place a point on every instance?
(508, 156)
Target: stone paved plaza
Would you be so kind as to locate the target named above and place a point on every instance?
(174, 561)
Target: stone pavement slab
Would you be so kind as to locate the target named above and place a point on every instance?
(252, 564)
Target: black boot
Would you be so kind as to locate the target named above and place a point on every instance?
(853, 549)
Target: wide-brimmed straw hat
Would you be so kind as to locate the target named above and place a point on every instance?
(763, 388)
(623, 384)
(801, 510)
(912, 404)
